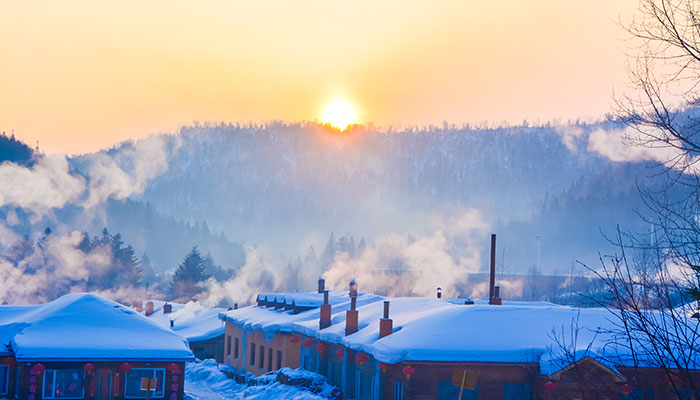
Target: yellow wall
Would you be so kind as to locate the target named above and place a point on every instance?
(280, 342)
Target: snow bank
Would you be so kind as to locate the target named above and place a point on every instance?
(204, 381)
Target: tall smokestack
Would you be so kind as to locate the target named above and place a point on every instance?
(492, 277)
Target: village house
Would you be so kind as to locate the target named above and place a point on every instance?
(200, 325)
(83, 346)
(434, 348)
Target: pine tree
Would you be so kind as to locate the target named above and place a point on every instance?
(328, 252)
(188, 275)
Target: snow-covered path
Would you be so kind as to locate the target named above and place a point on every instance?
(204, 381)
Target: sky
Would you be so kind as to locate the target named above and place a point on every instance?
(77, 76)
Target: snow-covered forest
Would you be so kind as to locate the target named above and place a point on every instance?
(275, 206)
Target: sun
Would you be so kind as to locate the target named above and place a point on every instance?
(339, 114)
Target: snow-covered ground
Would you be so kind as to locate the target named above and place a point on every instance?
(204, 381)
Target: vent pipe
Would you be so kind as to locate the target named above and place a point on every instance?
(321, 284)
(439, 293)
(492, 276)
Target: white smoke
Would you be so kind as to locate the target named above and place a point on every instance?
(402, 266)
(47, 185)
(50, 184)
(623, 145)
(255, 276)
(57, 265)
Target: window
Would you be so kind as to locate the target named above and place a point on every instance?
(228, 345)
(235, 348)
(18, 380)
(4, 378)
(514, 391)
(359, 378)
(448, 391)
(279, 359)
(331, 371)
(269, 359)
(398, 390)
(133, 382)
(262, 357)
(63, 384)
(252, 354)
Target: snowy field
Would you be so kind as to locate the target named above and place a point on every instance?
(204, 381)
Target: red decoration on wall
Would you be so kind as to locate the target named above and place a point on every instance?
(322, 347)
(339, 353)
(294, 339)
(626, 389)
(8, 360)
(125, 367)
(550, 386)
(307, 343)
(38, 368)
(174, 368)
(408, 371)
(88, 367)
(384, 366)
(361, 358)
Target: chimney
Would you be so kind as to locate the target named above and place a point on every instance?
(321, 284)
(493, 297)
(149, 308)
(386, 325)
(172, 323)
(353, 288)
(235, 306)
(497, 296)
(325, 320)
(439, 293)
(351, 317)
(167, 308)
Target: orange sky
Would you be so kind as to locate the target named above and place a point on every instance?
(82, 75)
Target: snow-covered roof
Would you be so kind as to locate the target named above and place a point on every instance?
(85, 326)
(430, 329)
(192, 320)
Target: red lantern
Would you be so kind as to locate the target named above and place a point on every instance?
(307, 343)
(38, 368)
(384, 366)
(174, 368)
(88, 367)
(125, 367)
(294, 339)
(626, 389)
(550, 386)
(321, 347)
(408, 371)
(361, 358)
(339, 353)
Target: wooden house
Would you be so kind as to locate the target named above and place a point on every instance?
(83, 346)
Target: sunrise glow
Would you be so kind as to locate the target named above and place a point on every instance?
(339, 114)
